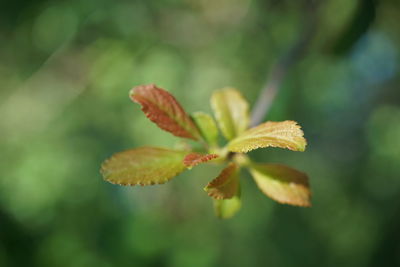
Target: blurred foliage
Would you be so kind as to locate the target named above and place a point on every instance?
(65, 71)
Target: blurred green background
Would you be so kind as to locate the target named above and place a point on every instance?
(65, 71)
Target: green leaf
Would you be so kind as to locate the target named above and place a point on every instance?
(231, 111)
(285, 134)
(163, 109)
(283, 184)
(226, 185)
(227, 208)
(143, 166)
(207, 126)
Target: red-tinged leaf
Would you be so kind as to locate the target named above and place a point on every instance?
(194, 159)
(226, 185)
(143, 166)
(283, 184)
(285, 134)
(164, 110)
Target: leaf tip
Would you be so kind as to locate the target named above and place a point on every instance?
(133, 93)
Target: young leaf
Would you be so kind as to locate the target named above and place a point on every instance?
(285, 134)
(282, 184)
(231, 111)
(226, 185)
(207, 127)
(164, 110)
(227, 208)
(143, 166)
(194, 159)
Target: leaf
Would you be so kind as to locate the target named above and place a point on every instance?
(207, 126)
(285, 134)
(226, 184)
(231, 111)
(227, 208)
(283, 184)
(143, 166)
(194, 159)
(164, 110)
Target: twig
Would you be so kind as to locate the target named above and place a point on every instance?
(282, 66)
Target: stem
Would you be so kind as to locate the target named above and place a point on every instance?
(282, 66)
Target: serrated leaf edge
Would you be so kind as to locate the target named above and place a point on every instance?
(226, 172)
(199, 158)
(256, 145)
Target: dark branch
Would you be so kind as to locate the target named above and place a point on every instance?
(282, 66)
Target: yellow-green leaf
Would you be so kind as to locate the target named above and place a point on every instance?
(227, 208)
(283, 184)
(207, 126)
(231, 111)
(226, 185)
(163, 109)
(285, 134)
(143, 166)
